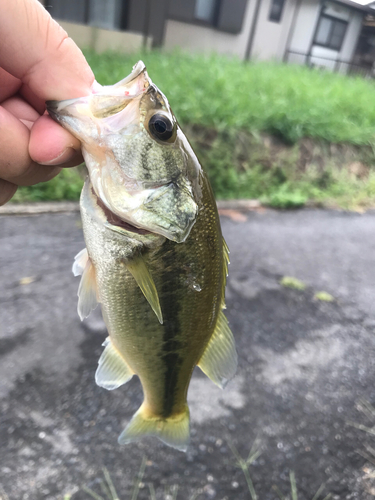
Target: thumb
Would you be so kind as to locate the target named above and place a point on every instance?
(35, 49)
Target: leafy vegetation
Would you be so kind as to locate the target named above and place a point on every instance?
(226, 106)
(67, 186)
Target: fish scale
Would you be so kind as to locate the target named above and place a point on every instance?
(133, 326)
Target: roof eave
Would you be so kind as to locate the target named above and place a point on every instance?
(356, 6)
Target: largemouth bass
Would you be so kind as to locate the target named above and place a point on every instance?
(155, 260)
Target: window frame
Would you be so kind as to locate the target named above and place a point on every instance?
(334, 20)
(215, 17)
(278, 18)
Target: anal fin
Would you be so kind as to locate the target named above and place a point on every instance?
(219, 360)
(113, 370)
(142, 276)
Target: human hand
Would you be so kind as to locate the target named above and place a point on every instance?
(38, 62)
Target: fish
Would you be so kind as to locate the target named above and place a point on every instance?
(155, 258)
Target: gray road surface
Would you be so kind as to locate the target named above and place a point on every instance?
(304, 367)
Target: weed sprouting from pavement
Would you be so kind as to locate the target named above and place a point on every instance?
(369, 411)
(109, 492)
(366, 408)
(244, 464)
(108, 488)
(294, 492)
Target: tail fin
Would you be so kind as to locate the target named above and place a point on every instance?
(173, 431)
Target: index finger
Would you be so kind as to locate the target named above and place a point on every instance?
(35, 49)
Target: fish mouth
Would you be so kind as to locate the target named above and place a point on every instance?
(52, 110)
(114, 220)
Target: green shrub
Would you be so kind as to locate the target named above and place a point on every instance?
(224, 106)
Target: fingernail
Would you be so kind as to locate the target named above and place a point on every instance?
(66, 155)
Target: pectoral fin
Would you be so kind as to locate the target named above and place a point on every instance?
(219, 360)
(113, 370)
(80, 261)
(225, 271)
(87, 298)
(142, 276)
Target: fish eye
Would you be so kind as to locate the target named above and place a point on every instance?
(161, 127)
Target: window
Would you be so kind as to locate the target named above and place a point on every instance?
(222, 15)
(276, 10)
(330, 32)
(205, 10)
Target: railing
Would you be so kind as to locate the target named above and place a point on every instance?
(336, 65)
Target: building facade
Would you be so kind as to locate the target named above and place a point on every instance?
(314, 32)
(322, 33)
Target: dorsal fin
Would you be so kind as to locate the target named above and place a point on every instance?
(142, 276)
(219, 360)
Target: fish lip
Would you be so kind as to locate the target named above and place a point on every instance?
(52, 110)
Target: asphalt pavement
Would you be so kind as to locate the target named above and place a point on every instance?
(306, 369)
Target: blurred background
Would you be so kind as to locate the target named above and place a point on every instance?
(338, 35)
(278, 100)
(275, 95)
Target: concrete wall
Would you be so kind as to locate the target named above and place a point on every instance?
(100, 40)
(148, 16)
(305, 27)
(269, 41)
(351, 36)
(270, 38)
(205, 39)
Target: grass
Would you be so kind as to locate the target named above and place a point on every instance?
(288, 100)
(368, 411)
(244, 465)
(294, 492)
(108, 490)
(224, 107)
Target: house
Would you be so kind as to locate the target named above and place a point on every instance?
(323, 33)
(314, 32)
(364, 56)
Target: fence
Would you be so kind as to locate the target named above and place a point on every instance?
(336, 65)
